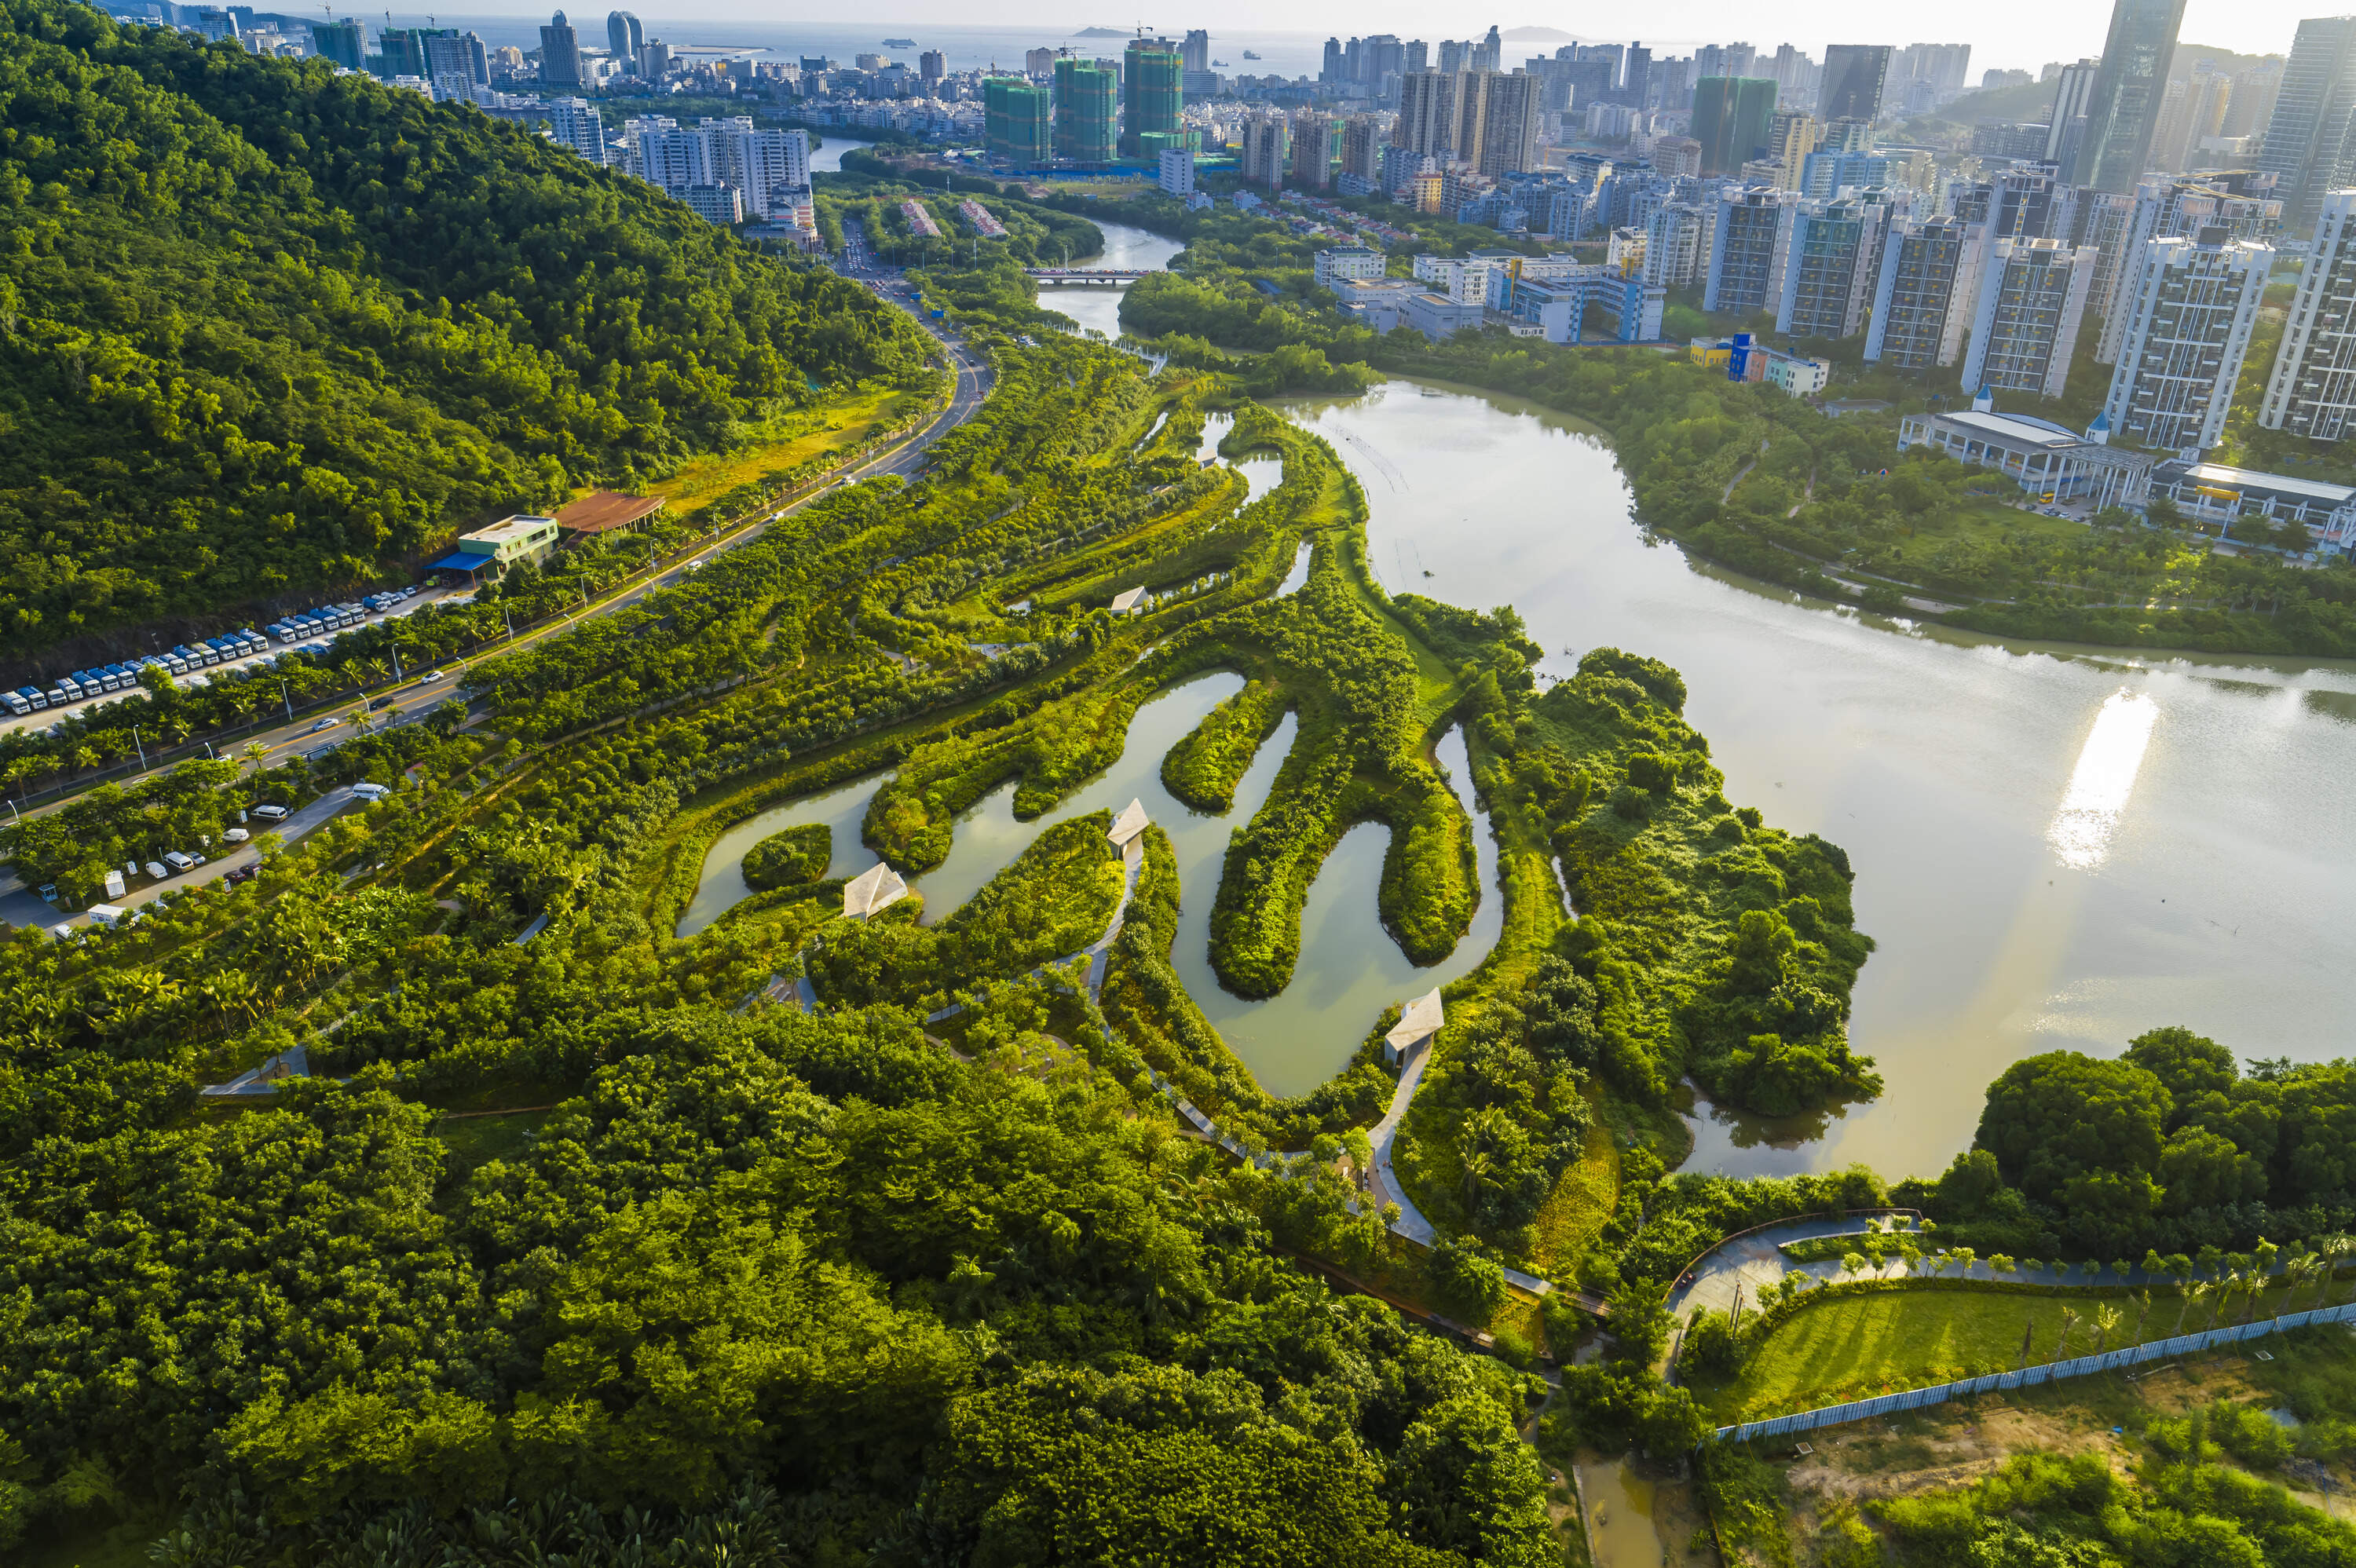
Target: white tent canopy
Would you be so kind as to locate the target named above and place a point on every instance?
(1419, 1023)
(1128, 824)
(1125, 602)
(870, 890)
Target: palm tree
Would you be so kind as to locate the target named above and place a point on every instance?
(2069, 1321)
(255, 753)
(2142, 1313)
(2224, 1294)
(2190, 1295)
(2330, 1252)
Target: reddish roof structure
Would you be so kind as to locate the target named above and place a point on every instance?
(603, 511)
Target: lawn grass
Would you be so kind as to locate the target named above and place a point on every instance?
(834, 424)
(477, 1140)
(1583, 1198)
(1856, 1347)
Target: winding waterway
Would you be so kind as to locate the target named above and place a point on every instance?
(2056, 847)
(1349, 970)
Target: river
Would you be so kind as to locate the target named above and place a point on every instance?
(2056, 847)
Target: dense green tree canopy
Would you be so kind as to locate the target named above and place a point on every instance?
(267, 328)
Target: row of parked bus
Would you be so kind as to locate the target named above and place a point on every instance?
(182, 660)
(293, 630)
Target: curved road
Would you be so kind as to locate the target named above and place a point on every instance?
(416, 698)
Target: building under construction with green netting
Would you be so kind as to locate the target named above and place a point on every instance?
(1017, 119)
(1152, 92)
(1087, 108)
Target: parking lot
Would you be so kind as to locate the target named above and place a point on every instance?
(42, 719)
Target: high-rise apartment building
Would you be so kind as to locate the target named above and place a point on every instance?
(2245, 207)
(2066, 128)
(456, 63)
(560, 53)
(2104, 220)
(1731, 118)
(2123, 109)
(2032, 296)
(1267, 147)
(1855, 77)
(771, 167)
(932, 69)
(1489, 54)
(342, 42)
(2255, 90)
(2195, 301)
(1426, 114)
(1829, 271)
(1036, 62)
(2191, 108)
(1194, 54)
(2307, 136)
(1678, 244)
(2311, 390)
(624, 38)
(1362, 148)
(1509, 122)
(1791, 137)
(1152, 92)
(1018, 121)
(1088, 109)
(1311, 166)
(1924, 294)
(576, 124)
(1749, 245)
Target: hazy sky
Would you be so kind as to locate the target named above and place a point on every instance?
(2001, 32)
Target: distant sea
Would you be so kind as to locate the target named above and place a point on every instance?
(967, 48)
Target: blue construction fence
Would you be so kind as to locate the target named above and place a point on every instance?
(2029, 1376)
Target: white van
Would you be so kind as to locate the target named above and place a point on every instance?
(366, 791)
(236, 836)
(179, 862)
(155, 869)
(271, 813)
(108, 916)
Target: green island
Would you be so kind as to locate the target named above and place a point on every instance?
(426, 1197)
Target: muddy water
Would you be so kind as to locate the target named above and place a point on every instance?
(1621, 1531)
(2056, 847)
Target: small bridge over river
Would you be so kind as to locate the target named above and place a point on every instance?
(1115, 276)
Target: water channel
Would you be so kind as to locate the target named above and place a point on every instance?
(2056, 847)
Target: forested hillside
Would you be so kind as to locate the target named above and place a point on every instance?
(265, 328)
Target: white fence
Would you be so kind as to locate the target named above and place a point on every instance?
(2076, 1366)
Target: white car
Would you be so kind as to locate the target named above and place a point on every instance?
(156, 870)
(325, 724)
(429, 678)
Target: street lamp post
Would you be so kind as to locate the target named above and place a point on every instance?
(143, 750)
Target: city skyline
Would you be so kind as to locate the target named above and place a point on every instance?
(2008, 34)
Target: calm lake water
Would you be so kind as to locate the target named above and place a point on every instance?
(2055, 847)
(1129, 248)
(1349, 969)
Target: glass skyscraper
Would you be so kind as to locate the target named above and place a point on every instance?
(2124, 108)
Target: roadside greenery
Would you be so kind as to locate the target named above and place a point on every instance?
(273, 329)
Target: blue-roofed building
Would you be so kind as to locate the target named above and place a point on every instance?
(485, 555)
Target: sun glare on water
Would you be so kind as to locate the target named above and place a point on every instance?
(2105, 776)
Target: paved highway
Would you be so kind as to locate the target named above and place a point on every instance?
(418, 697)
